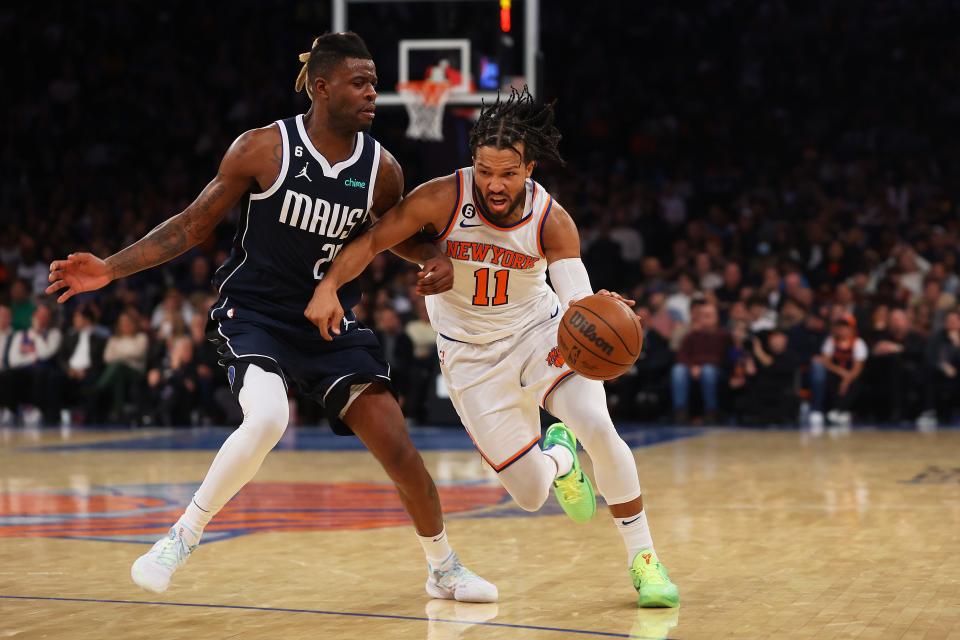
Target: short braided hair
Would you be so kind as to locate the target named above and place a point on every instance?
(327, 50)
(505, 123)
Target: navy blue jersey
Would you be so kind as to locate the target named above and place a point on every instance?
(289, 234)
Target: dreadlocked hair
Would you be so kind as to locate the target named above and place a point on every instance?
(506, 123)
(328, 50)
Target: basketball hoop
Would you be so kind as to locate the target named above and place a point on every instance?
(425, 101)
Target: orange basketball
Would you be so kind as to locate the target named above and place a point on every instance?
(600, 337)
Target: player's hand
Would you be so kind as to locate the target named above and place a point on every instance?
(616, 296)
(435, 277)
(80, 272)
(325, 311)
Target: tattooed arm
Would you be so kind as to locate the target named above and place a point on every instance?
(253, 158)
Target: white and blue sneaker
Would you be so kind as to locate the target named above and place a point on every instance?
(152, 571)
(456, 582)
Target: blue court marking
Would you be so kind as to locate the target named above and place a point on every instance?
(349, 614)
(176, 494)
(424, 439)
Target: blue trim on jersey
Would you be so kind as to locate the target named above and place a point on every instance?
(543, 224)
(533, 445)
(453, 214)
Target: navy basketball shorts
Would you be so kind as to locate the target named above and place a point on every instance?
(322, 370)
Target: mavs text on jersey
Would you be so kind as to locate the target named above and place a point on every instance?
(286, 238)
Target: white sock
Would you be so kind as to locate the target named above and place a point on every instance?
(562, 457)
(636, 534)
(194, 520)
(437, 548)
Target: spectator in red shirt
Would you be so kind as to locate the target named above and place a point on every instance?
(835, 373)
(701, 355)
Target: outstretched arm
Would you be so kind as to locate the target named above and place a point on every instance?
(243, 161)
(422, 208)
(436, 275)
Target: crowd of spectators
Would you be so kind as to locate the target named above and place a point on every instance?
(773, 186)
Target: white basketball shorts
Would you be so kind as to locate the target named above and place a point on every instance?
(497, 388)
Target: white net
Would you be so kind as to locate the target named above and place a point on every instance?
(425, 101)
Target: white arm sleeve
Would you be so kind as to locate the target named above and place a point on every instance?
(570, 280)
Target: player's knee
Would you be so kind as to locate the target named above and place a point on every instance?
(402, 462)
(529, 498)
(610, 449)
(275, 423)
(593, 426)
(528, 479)
(263, 399)
(267, 422)
(605, 446)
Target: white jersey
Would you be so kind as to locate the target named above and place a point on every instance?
(500, 273)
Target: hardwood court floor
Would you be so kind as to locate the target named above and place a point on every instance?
(768, 534)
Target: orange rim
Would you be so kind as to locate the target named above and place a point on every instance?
(430, 92)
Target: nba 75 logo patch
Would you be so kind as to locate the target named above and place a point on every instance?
(554, 359)
(469, 212)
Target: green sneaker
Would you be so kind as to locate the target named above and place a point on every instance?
(651, 581)
(574, 491)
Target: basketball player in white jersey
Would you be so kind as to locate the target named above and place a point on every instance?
(498, 326)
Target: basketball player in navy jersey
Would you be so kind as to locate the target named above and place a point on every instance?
(497, 327)
(308, 186)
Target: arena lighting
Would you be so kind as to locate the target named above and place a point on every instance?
(505, 16)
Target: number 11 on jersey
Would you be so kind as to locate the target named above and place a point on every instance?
(480, 297)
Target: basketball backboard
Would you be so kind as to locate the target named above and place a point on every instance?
(478, 46)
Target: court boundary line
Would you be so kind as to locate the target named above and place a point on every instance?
(349, 614)
(638, 436)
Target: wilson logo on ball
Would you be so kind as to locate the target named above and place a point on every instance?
(589, 331)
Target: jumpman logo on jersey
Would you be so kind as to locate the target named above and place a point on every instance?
(303, 173)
